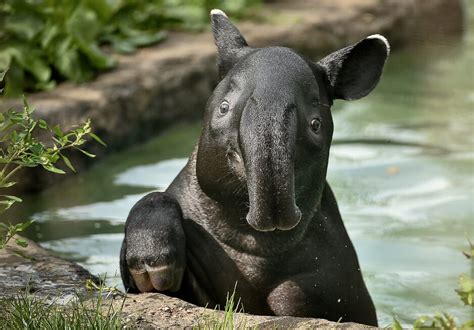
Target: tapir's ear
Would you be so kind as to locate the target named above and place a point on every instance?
(231, 45)
(354, 71)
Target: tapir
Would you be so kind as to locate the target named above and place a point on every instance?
(252, 211)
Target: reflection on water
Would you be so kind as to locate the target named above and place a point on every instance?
(403, 177)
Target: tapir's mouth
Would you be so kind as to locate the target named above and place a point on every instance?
(234, 157)
(236, 163)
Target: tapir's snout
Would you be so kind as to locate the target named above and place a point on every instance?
(284, 220)
(267, 141)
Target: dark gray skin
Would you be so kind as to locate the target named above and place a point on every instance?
(252, 205)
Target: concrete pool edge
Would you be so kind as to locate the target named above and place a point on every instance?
(57, 279)
(162, 85)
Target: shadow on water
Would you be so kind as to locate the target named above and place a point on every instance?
(402, 168)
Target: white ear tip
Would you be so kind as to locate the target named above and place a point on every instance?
(381, 37)
(218, 12)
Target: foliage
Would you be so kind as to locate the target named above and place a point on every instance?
(20, 147)
(46, 41)
(466, 281)
(445, 321)
(94, 311)
(7, 232)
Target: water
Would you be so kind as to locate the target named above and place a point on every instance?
(403, 176)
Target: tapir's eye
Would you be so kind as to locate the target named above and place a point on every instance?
(224, 108)
(316, 125)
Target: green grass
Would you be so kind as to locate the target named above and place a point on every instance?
(227, 320)
(92, 311)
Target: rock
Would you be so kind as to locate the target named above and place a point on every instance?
(43, 274)
(59, 280)
(170, 82)
(148, 311)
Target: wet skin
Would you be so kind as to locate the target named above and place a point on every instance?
(252, 208)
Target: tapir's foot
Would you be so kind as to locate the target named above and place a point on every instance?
(153, 250)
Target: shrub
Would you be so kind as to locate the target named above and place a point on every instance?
(43, 42)
(20, 148)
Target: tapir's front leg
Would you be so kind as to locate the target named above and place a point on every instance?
(153, 250)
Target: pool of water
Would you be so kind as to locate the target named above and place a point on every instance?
(402, 168)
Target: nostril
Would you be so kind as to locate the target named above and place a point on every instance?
(262, 226)
(292, 220)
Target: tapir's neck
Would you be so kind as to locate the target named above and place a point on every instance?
(226, 220)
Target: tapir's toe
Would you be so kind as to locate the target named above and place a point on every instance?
(142, 281)
(165, 277)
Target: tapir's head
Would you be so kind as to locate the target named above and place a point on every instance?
(268, 124)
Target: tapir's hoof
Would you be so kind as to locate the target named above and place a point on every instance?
(153, 250)
(162, 278)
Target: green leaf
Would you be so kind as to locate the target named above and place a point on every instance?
(68, 61)
(396, 325)
(466, 289)
(5, 205)
(68, 163)
(31, 60)
(96, 56)
(42, 124)
(419, 322)
(45, 86)
(7, 184)
(123, 46)
(24, 25)
(23, 225)
(147, 38)
(469, 325)
(49, 33)
(53, 169)
(57, 130)
(2, 74)
(102, 8)
(98, 139)
(14, 80)
(13, 198)
(86, 153)
(5, 62)
(21, 242)
(83, 24)
(25, 104)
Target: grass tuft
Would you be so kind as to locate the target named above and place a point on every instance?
(91, 311)
(227, 320)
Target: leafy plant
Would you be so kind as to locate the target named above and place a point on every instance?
(466, 281)
(20, 147)
(44, 42)
(445, 321)
(7, 232)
